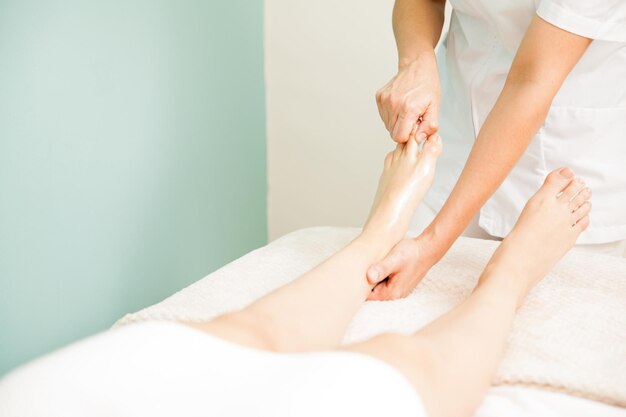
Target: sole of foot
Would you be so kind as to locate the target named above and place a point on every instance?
(408, 173)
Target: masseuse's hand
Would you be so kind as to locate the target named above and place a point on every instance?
(404, 267)
(409, 103)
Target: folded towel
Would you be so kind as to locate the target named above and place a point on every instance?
(569, 336)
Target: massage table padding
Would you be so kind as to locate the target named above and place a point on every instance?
(570, 335)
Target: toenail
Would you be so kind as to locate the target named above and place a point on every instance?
(566, 173)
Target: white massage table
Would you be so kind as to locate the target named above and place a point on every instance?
(567, 352)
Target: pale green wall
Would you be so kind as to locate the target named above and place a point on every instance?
(132, 157)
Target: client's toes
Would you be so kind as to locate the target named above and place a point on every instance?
(572, 190)
(582, 224)
(432, 147)
(388, 159)
(581, 212)
(412, 147)
(580, 198)
(397, 153)
(557, 180)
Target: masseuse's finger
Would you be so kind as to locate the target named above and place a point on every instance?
(391, 289)
(382, 96)
(404, 125)
(381, 270)
(381, 111)
(430, 122)
(392, 123)
(380, 292)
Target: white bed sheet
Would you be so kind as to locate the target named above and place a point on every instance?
(570, 335)
(510, 401)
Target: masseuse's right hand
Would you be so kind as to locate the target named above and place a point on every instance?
(409, 102)
(397, 274)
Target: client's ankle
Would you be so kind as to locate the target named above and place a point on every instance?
(503, 284)
(377, 245)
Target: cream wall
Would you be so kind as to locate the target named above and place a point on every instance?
(325, 59)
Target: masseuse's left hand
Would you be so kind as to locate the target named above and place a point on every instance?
(403, 268)
(409, 103)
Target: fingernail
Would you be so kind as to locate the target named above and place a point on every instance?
(421, 136)
(566, 173)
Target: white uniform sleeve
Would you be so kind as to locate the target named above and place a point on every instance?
(602, 20)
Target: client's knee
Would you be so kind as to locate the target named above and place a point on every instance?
(269, 332)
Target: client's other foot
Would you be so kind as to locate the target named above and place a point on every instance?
(546, 229)
(407, 175)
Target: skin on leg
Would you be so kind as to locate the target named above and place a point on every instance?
(452, 361)
(314, 311)
(454, 357)
(310, 313)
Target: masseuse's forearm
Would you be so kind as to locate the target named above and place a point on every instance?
(417, 26)
(544, 59)
(517, 115)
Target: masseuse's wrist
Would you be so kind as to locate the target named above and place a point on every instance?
(437, 240)
(416, 58)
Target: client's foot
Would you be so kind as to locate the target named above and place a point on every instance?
(407, 175)
(546, 229)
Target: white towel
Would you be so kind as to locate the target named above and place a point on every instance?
(570, 335)
(164, 369)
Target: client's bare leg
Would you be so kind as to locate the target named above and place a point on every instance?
(452, 361)
(313, 312)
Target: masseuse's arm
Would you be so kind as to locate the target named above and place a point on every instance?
(414, 93)
(544, 59)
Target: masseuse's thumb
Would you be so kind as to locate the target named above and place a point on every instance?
(382, 269)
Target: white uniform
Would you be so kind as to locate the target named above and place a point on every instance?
(585, 128)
